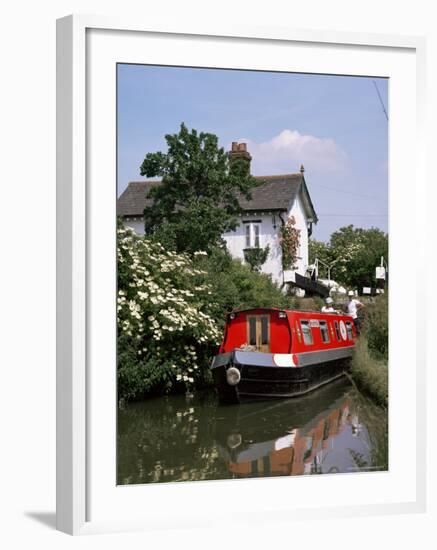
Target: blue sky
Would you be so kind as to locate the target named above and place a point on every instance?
(334, 125)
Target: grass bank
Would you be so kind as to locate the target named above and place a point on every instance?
(370, 359)
(369, 374)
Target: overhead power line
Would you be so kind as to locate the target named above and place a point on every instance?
(380, 99)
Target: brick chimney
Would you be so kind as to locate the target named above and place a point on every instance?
(239, 151)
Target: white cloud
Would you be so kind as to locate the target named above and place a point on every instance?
(285, 153)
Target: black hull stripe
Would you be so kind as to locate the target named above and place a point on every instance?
(292, 394)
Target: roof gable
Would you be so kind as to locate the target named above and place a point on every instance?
(307, 202)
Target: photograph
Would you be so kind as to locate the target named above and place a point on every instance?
(252, 273)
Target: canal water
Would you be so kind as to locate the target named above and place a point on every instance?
(188, 438)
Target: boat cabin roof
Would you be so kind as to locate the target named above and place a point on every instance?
(303, 313)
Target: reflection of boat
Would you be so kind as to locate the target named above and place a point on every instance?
(272, 353)
(290, 437)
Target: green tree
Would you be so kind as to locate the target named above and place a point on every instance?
(320, 250)
(355, 251)
(198, 199)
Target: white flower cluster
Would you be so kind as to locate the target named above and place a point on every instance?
(161, 307)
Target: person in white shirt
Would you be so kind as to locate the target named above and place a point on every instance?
(353, 306)
(328, 307)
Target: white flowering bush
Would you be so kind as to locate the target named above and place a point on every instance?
(166, 331)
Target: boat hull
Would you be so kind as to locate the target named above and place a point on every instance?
(265, 381)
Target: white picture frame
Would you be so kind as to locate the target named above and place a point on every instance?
(79, 422)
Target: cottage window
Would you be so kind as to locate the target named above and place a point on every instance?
(252, 235)
(324, 332)
(256, 235)
(306, 331)
(248, 235)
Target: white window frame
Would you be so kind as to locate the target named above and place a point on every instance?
(252, 234)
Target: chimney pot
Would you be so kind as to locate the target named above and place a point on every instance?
(302, 169)
(239, 151)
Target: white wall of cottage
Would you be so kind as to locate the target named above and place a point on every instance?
(268, 235)
(137, 224)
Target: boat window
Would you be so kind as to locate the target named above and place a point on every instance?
(299, 335)
(264, 330)
(337, 331)
(350, 334)
(252, 331)
(306, 331)
(324, 331)
(258, 332)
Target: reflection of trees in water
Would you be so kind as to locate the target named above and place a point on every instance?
(168, 439)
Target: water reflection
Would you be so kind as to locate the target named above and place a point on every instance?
(179, 439)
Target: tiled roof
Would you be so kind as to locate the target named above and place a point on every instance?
(276, 193)
(133, 199)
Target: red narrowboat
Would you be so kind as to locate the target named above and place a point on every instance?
(268, 352)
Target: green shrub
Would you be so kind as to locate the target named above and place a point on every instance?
(235, 286)
(256, 257)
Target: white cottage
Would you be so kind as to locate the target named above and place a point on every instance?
(273, 202)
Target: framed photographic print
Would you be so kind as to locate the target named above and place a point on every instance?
(234, 211)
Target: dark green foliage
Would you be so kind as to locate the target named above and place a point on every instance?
(376, 327)
(235, 286)
(141, 377)
(198, 199)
